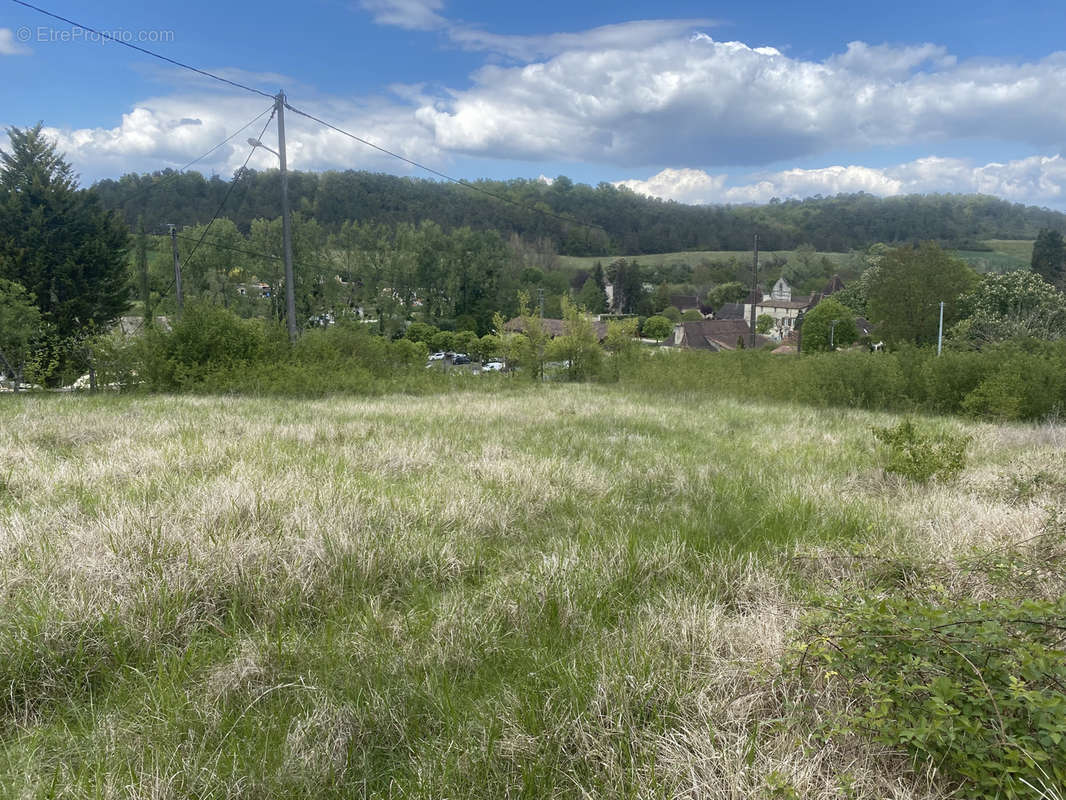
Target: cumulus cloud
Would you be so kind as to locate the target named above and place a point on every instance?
(891, 62)
(9, 45)
(172, 131)
(696, 101)
(1037, 179)
(648, 93)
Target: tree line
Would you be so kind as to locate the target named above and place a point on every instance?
(69, 268)
(582, 220)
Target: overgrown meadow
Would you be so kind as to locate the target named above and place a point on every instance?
(556, 591)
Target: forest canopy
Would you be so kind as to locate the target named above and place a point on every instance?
(607, 220)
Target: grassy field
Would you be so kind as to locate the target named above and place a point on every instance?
(690, 257)
(1005, 255)
(569, 591)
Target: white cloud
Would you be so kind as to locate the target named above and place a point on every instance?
(891, 62)
(624, 35)
(1037, 179)
(410, 14)
(9, 45)
(172, 131)
(642, 93)
(695, 101)
(422, 15)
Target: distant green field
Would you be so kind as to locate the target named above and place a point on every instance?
(1005, 255)
(1020, 248)
(692, 257)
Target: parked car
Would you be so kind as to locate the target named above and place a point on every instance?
(436, 356)
(493, 366)
(461, 358)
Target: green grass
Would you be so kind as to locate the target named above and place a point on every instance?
(1005, 255)
(563, 591)
(1021, 249)
(690, 257)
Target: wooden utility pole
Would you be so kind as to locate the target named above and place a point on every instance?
(754, 287)
(142, 272)
(177, 269)
(286, 221)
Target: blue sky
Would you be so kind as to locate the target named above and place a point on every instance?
(700, 102)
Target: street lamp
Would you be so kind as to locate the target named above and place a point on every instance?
(832, 330)
(257, 143)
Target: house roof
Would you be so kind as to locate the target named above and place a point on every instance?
(718, 334)
(554, 327)
(804, 302)
(835, 285)
(683, 302)
(730, 311)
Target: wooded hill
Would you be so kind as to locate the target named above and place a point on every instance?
(618, 221)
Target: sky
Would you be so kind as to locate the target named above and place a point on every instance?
(699, 102)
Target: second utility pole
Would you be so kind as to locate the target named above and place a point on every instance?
(177, 269)
(755, 298)
(286, 222)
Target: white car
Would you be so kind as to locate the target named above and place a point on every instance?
(436, 356)
(493, 366)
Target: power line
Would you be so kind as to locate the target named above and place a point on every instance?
(220, 246)
(229, 191)
(152, 53)
(313, 118)
(438, 173)
(166, 179)
(233, 183)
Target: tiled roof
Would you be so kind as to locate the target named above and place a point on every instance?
(730, 311)
(718, 334)
(802, 303)
(554, 327)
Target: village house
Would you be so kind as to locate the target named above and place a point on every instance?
(715, 335)
(554, 327)
(690, 302)
(783, 307)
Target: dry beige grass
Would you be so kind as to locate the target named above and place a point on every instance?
(426, 595)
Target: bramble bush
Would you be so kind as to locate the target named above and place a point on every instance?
(977, 689)
(921, 455)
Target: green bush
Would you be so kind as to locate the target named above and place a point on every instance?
(852, 379)
(975, 688)
(1026, 380)
(206, 340)
(920, 455)
(952, 376)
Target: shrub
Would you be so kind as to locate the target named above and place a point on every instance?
(952, 376)
(975, 688)
(207, 339)
(919, 455)
(852, 379)
(658, 328)
(421, 332)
